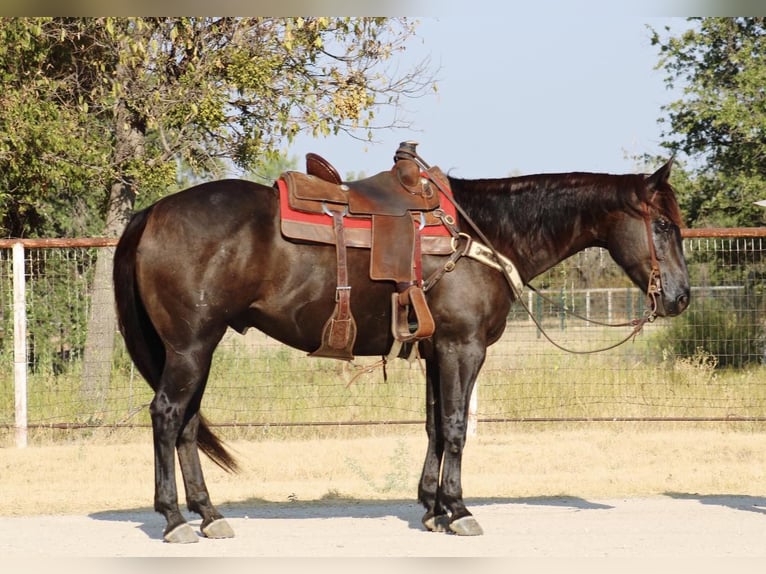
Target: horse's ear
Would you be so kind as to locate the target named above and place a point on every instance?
(661, 175)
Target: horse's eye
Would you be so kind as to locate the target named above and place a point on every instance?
(663, 225)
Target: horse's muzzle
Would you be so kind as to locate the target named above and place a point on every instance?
(671, 306)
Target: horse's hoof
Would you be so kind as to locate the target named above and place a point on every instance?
(466, 526)
(181, 534)
(438, 523)
(218, 529)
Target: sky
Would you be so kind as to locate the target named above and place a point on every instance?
(523, 92)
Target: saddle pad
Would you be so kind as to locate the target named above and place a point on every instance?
(317, 227)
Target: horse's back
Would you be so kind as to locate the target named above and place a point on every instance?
(214, 208)
(206, 229)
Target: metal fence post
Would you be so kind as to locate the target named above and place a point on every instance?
(20, 345)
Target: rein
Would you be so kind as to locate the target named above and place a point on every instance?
(637, 324)
(490, 256)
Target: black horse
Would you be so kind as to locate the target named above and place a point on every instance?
(213, 256)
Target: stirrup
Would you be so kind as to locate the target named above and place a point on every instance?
(402, 328)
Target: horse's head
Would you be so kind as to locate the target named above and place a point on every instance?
(645, 241)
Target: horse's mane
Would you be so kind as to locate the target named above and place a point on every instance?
(546, 203)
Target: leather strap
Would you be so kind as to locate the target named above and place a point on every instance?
(343, 289)
(417, 255)
(339, 332)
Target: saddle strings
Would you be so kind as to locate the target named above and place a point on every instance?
(653, 289)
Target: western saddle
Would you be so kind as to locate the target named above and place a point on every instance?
(398, 203)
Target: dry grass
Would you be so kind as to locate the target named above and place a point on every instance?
(115, 472)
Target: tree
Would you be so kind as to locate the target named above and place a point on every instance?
(720, 121)
(92, 102)
(269, 171)
(103, 111)
(52, 154)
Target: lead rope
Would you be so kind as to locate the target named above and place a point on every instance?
(653, 288)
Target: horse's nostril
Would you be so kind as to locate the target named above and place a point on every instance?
(682, 302)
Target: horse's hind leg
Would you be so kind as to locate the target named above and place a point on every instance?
(213, 525)
(167, 415)
(181, 385)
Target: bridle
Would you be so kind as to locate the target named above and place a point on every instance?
(654, 288)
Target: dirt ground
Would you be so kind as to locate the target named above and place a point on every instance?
(614, 492)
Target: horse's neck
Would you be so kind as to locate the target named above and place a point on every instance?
(535, 226)
(536, 252)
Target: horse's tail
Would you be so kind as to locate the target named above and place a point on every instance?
(142, 340)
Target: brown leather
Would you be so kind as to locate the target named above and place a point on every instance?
(425, 320)
(396, 201)
(381, 194)
(411, 317)
(386, 194)
(357, 237)
(393, 248)
(381, 197)
(308, 193)
(318, 166)
(339, 331)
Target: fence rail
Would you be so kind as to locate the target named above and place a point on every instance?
(673, 371)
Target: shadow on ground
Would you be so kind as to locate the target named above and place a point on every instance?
(409, 511)
(735, 501)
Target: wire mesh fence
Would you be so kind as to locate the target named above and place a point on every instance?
(704, 364)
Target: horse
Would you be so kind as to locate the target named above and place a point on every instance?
(213, 257)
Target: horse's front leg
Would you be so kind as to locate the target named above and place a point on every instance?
(458, 368)
(435, 518)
